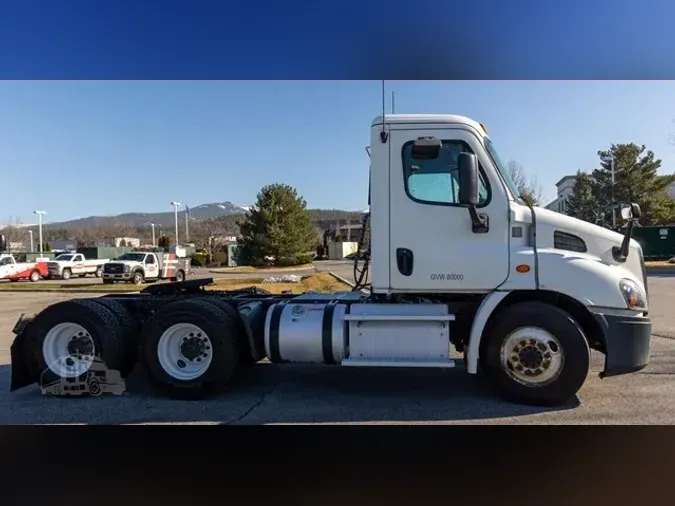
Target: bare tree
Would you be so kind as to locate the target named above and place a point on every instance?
(528, 187)
(13, 231)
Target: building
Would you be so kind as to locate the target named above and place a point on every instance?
(565, 187)
(56, 246)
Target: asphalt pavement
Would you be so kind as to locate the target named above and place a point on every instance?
(327, 395)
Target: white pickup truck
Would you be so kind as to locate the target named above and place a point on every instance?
(138, 267)
(12, 270)
(67, 265)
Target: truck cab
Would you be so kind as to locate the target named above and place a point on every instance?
(447, 219)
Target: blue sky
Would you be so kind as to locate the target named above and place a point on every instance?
(77, 149)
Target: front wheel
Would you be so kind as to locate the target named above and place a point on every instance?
(536, 354)
(66, 274)
(138, 278)
(99, 272)
(35, 276)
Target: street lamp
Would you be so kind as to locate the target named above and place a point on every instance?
(153, 233)
(40, 214)
(30, 234)
(175, 213)
(612, 162)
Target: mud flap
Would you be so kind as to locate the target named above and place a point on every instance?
(20, 374)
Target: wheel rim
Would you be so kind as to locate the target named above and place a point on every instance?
(66, 274)
(532, 356)
(34, 276)
(98, 272)
(184, 351)
(68, 350)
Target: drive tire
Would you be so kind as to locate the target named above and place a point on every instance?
(216, 324)
(130, 332)
(245, 356)
(571, 341)
(102, 326)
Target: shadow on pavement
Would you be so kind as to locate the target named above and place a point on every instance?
(282, 394)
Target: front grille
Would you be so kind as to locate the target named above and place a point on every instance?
(569, 242)
(113, 268)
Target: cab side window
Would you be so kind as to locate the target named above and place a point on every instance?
(149, 260)
(437, 181)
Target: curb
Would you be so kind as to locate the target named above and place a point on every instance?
(341, 279)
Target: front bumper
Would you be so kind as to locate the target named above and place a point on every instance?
(627, 340)
(123, 276)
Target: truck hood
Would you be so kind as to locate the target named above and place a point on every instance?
(599, 240)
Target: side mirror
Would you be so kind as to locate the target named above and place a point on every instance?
(467, 165)
(631, 211)
(426, 148)
(3, 243)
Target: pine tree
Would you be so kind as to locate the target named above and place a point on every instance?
(582, 204)
(636, 179)
(278, 226)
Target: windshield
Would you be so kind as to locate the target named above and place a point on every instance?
(65, 258)
(132, 257)
(503, 170)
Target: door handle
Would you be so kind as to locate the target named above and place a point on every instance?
(405, 261)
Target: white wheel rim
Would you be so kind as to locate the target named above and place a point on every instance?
(60, 351)
(34, 276)
(532, 356)
(184, 351)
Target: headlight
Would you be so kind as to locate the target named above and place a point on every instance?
(127, 268)
(633, 294)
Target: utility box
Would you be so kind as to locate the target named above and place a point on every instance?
(341, 250)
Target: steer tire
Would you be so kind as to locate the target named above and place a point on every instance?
(557, 324)
(101, 324)
(137, 278)
(216, 324)
(130, 330)
(66, 274)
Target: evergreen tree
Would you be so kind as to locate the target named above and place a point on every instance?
(582, 204)
(636, 179)
(277, 226)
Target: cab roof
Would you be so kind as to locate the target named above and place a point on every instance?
(390, 119)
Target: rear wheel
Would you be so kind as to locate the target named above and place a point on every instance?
(35, 276)
(180, 276)
(130, 331)
(66, 338)
(190, 349)
(535, 354)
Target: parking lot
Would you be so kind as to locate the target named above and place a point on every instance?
(307, 394)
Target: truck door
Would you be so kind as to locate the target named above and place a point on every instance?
(7, 266)
(78, 264)
(151, 266)
(432, 245)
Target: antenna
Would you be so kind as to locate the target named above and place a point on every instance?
(393, 103)
(383, 133)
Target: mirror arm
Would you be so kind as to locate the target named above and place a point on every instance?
(480, 222)
(620, 254)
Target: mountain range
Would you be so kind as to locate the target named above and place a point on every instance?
(163, 219)
(197, 213)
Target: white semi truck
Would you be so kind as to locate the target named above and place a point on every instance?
(460, 263)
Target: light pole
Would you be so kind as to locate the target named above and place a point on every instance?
(40, 214)
(153, 233)
(30, 234)
(613, 206)
(175, 214)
